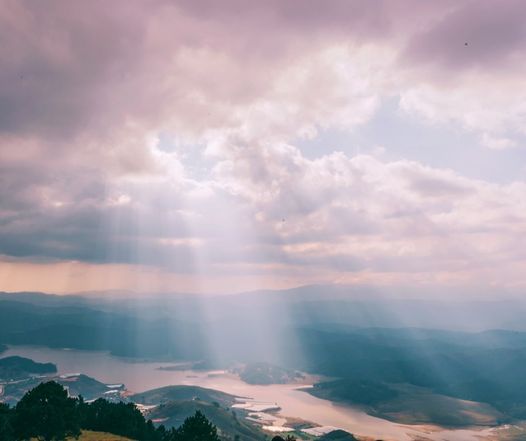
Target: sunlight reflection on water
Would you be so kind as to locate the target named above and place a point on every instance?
(139, 376)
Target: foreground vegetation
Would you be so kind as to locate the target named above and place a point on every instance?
(90, 435)
(47, 413)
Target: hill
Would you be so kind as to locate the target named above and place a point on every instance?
(176, 403)
(408, 404)
(77, 385)
(266, 373)
(313, 329)
(183, 393)
(47, 321)
(229, 425)
(337, 435)
(48, 412)
(15, 368)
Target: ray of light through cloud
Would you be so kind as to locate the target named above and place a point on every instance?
(187, 149)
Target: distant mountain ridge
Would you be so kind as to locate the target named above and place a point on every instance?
(360, 306)
(326, 337)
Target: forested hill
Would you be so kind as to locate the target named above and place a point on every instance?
(14, 368)
(48, 413)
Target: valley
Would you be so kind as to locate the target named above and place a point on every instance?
(220, 394)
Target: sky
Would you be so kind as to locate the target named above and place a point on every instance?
(204, 146)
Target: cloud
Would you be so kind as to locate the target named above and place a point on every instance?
(397, 215)
(466, 67)
(497, 143)
(165, 134)
(471, 35)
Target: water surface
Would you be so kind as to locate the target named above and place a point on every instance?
(139, 376)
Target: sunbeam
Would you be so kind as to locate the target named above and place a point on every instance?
(250, 221)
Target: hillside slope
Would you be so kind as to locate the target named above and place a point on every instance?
(228, 423)
(88, 435)
(15, 368)
(183, 393)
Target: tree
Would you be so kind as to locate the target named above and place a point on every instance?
(118, 418)
(279, 438)
(47, 413)
(197, 428)
(123, 419)
(6, 428)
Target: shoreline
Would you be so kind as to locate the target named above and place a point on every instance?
(295, 401)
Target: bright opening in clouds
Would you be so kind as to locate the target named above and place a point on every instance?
(304, 217)
(203, 146)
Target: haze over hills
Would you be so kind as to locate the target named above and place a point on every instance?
(320, 204)
(370, 346)
(338, 305)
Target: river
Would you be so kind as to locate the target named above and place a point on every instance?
(139, 376)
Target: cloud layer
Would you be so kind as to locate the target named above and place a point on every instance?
(164, 138)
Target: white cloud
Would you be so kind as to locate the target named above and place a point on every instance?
(85, 177)
(496, 143)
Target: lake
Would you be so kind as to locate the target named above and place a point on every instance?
(139, 376)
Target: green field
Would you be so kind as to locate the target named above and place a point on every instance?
(88, 435)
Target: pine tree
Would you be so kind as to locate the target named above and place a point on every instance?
(6, 428)
(197, 428)
(47, 413)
